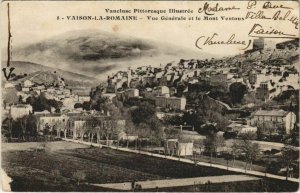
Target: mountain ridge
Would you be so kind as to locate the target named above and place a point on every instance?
(96, 53)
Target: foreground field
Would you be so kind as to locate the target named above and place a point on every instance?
(53, 169)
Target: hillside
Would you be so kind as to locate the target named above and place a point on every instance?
(29, 67)
(43, 74)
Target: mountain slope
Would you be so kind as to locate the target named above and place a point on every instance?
(39, 73)
(96, 53)
(29, 67)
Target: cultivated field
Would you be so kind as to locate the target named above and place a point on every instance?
(34, 170)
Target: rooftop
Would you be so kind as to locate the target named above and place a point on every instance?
(279, 113)
(21, 106)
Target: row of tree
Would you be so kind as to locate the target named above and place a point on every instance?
(248, 151)
(21, 128)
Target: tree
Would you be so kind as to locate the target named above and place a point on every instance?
(67, 127)
(250, 150)
(61, 125)
(92, 128)
(289, 155)
(237, 91)
(23, 123)
(77, 105)
(172, 133)
(97, 101)
(107, 130)
(130, 129)
(41, 103)
(142, 113)
(236, 150)
(20, 99)
(32, 125)
(248, 135)
(220, 142)
(174, 120)
(207, 129)
(86, 106)
(124, 85)
(9, 126)
(212, 143)
(47, 129)
(156, 128)
(209, 146)
(272, 167)
(83, 129)
(146, 122)
(198, 143)
(266, 128)
(10, 96)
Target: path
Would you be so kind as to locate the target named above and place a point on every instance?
(152, 184)
(256, 173)
(263, 145)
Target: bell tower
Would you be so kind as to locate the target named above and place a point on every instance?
(129, 77)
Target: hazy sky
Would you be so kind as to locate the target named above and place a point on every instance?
(34, 21)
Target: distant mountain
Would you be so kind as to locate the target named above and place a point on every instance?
(43, 74)
(96, 53)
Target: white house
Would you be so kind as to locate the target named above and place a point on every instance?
(163, 90)
(28, 83)
(173, 146)
(172, 102)
(51, 120)
(20, 110)
(185, 149)
(25, 89)
(132, 93)
(240, 128)
(9, 85)
(83, 98)
(278, 118)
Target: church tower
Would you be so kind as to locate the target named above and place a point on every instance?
(129, 77)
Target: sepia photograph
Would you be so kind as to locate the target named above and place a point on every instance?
(150, 96)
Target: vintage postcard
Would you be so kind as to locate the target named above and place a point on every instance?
(152, 96)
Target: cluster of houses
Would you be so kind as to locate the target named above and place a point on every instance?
(125, 86)
(59, 92)
(270, 81)
(261, 72)
(265, 76)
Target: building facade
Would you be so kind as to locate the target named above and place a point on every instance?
(276, 118)
(170, 102)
